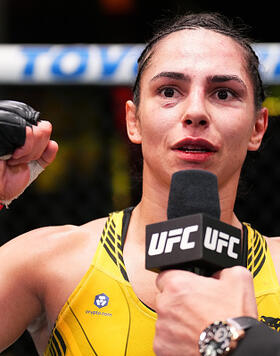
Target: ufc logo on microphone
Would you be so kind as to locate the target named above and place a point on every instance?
(217, 240)
(163, 242)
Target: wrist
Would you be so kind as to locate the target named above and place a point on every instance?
(221, 337)
(34, 170)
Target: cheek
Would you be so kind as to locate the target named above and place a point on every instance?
(236, 139)
(155, 125)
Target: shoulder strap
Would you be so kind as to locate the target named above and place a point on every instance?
(259, 260)
(126, 219)
(257, 250)
(244, 245)
(109, 253)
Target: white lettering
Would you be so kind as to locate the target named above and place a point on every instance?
(163, 242)
(174, 237)
(223, 235)
(170, 242)
(216, 241)
(185, 243)
(157, 243)
(233, 240)
(221, 243)
(210, 239)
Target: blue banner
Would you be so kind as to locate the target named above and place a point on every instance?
(95, 64)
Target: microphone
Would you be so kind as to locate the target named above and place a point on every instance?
(193, 238)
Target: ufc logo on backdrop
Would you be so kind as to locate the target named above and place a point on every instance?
(217, 240)
(163, 242)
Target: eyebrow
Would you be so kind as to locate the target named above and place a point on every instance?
(226, 78)
(171, 75)
(212, 79)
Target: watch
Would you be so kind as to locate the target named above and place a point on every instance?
(221, 337)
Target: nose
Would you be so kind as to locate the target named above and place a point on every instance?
(196, 113)
(201, 122)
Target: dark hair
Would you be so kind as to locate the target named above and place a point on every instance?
(210, 21)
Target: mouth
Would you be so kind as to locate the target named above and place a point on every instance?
(195, 149)
(194, 145)
(190, 148)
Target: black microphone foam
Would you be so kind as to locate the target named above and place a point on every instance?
(193, 192)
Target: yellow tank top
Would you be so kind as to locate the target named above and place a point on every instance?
(104, 317)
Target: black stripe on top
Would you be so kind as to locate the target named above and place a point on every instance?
(113, 243)
(56, 347)
(56, 344)
(61, 341)
(257, 252)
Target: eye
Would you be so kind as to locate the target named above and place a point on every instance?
(224, 94)
(168, 92)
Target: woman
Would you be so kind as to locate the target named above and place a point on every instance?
(197, 104)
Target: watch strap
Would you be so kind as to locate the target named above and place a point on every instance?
(243, 322)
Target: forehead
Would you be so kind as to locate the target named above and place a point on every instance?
(196, 52)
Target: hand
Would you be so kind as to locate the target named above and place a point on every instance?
(187, 303)
(15, 172)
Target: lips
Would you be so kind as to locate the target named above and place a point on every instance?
(194, 150)
(194, 145)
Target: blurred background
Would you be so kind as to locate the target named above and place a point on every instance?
(45, 49)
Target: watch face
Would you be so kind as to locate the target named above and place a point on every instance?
(215, 340)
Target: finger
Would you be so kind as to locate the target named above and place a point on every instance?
(163, 278)
(236, 276)
(171, 280)
(233, 273)
(26, 148)
(49, 154)
(2, 167)
(41, 137)
(37, 140)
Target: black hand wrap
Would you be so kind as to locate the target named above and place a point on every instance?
(14, 117)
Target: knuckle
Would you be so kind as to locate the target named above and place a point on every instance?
(29, 139)
(46, 125)
(172, 284)
(241, 273)
(28, 134)
(175, 280)
(43, 130)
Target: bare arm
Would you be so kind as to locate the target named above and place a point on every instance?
(33, 267)
(19, 304)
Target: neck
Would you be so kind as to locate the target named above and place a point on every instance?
(227, 194)
(154, 202)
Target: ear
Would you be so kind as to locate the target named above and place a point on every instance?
(259, 130)
(132, 123)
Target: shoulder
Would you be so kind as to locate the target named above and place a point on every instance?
(41, 261)
(41, 268)
(42, 247)
(95, 226)
(54, 235)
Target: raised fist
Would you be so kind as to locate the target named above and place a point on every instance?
(25, 148)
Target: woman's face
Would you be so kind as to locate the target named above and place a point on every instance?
(196, 107)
